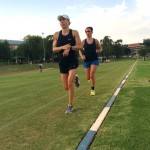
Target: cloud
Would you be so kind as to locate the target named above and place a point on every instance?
(71, 8)
(105, 21)
(126, 21)
(117, 21)
(142, 8)
(19, 26)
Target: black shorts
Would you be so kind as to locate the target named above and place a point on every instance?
(66, 66)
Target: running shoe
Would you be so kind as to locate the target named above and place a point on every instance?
(92, 93)
(69, 109)
(77, 82)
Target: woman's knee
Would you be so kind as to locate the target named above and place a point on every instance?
(87, 77)
(70, 84)
(92, 76)
(65, 86)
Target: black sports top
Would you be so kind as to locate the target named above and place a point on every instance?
(90, 51)
(63, 40)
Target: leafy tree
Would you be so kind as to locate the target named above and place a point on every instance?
(34, 47)
(111, 48)
(146, 42)
(118, 48)
(48, 46)
(145, 49)
(143, 52)
(4, 51)
(126, 50)
(107, 44)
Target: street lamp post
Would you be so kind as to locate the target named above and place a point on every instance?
(43, 48)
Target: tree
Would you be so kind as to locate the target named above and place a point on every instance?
(4, 51)
(146, 42)
(34, 47)
(126, 50)
(145, 49)
(107, 46)
(48, 46)
(143, 52)
(118, 48)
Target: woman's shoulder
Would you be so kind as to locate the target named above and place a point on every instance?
(83, 41)
(96, 40)
(56, 34)
(74, 32)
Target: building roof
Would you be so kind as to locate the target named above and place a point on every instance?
(135, 45)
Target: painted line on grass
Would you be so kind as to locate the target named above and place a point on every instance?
(36, 110)
(12, 73)
(31, 113)
(90, 135)
(33, 93)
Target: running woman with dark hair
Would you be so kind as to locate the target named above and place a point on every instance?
(89, 54)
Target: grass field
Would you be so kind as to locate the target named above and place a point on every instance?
(5, 69)
(32, 107)
(127, 126)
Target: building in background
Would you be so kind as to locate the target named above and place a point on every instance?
(13, 43)
(135, 47)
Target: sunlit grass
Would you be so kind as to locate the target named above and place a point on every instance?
(32, 106)
(128, 124)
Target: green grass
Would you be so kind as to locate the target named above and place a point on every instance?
(32, 107)
(127, 126)
(13, 68)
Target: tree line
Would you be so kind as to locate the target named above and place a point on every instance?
(36, 49)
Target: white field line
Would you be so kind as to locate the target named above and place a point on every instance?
(20, 118)
(36, 110)
(10, 100)
(87, 140)
(106, 109)
(13, 99)
(21, 72)
(23, 117)
(25, 82)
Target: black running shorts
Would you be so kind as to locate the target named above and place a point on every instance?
(66, 66)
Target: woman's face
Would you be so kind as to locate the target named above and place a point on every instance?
(64, 22)
(88, 32)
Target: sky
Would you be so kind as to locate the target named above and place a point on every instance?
(128, 20)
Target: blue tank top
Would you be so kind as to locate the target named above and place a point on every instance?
(63, 40)
(90, 51)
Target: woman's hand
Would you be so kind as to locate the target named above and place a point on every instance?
(66, 48)
(83, 57)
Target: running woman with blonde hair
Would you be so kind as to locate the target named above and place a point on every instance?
(66, 42)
